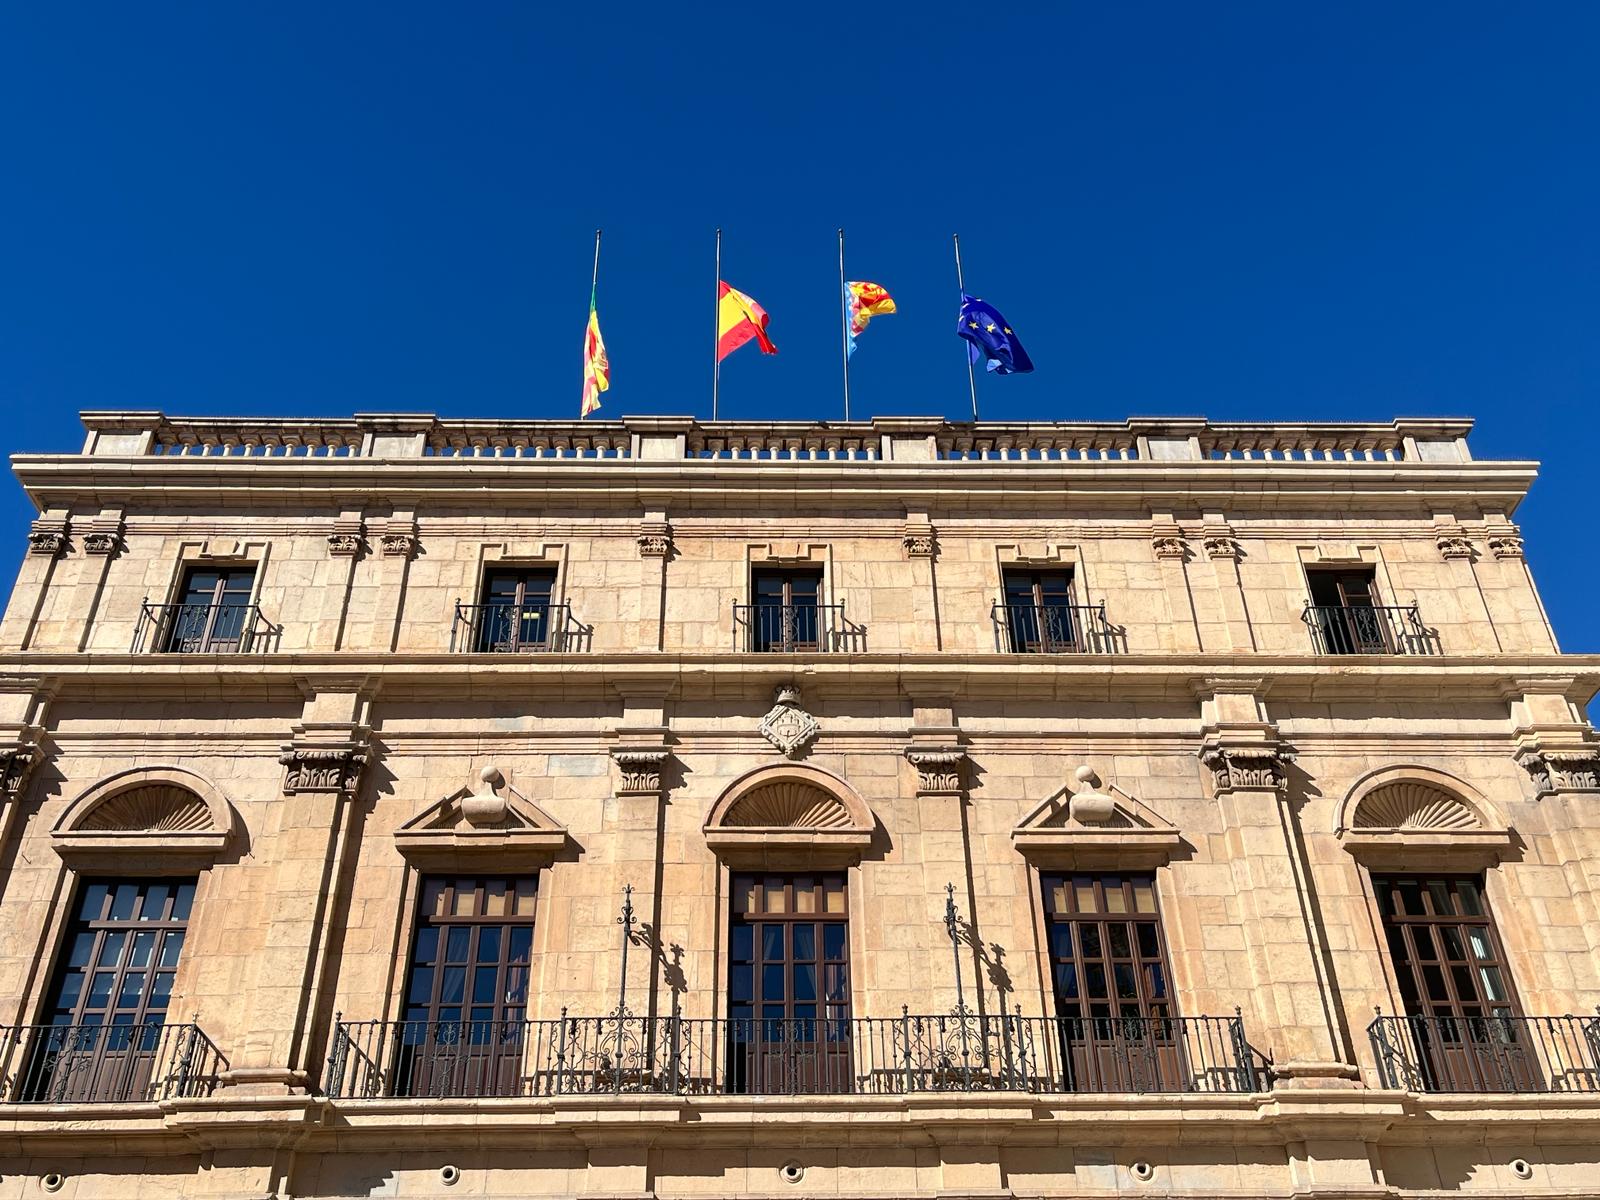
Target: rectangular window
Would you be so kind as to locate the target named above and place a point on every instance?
(1113, 991)
(1455, 984)
(517, 613)
(213, 615)
(1038, 612)
(1345, 614)
(789, 984)
(786, 612)
(109, 996)
(467, 987)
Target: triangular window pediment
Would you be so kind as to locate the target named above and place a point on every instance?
(486, 825)
(1088, 825)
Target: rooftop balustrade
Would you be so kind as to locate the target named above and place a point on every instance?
(920, 440)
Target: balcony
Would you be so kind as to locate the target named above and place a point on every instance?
(795, 628)
(202, 629)
(753, 1057)
(105, 1064)
(539, 627)
(1054, 629)
(1359, 629)
(1488, 1053)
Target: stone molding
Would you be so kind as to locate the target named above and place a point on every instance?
(488, 826)
(153, 818)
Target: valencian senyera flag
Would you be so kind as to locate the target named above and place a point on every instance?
(596, 366)
(739, 319)
(990, 337)
(862, 302)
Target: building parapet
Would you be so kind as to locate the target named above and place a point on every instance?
(122, 434)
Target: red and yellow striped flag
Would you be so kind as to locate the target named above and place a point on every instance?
(596, 366)
(739, 319)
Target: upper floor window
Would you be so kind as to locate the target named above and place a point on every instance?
(212, 615)
(786, 612)
(1036, 614)
(516, 614)
(1346, 618)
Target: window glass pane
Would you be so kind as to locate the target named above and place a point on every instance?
(1465, 988)
(521, 945)
(805, 943)
(527, 890)
(1149, 941)
(421, 990)
(805, 896)
(1061, 939)
(1411, 898)
(100, 989)
(1480, 944)
(772, 982)
(743, 943)
(1095, 980)
(82, 947)
(1158, 981)
(1454, 949)
(1055, 898)
(1089, 938)
(171, 947)
(771, 942)
(741, 982)
(1493, 986)
(156, 896)
(71, 988)
(1086, 903)
(1144, 896)
(132, 989)
(453, 985)
(111, 948)
(484, 981)
(94, 902)
(466, 898)
(1116, 898)
(123, 902)
(1121, 945)
(833, 941)
(1439, 893)
(489, 938)
(456, 944)
(1433, 982)
(1067, 980)
(805, 982)
(433, 897)
(1422, 935)
(836, 985)
(144, 945)
(427, 944)
(182, 901)
(1126, 986)
(833, 895)
(744, 895)
(496, 898)
(775, 896)
(1470, 898)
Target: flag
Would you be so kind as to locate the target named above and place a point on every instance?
(596, 366)
(990, 336)
(739, 319)
(862, 302)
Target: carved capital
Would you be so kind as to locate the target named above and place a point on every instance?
(1454, 543)
(1169, 546)
(324, 762)
(1506, 543)
(398, 545)
(1221, 545)
(103, 542)
(17, 761)
(1562, 770)
(344, 545)
(1256, 767)
(639, 769)
(939, 768)
(917, 538)
(47, 538)
(654, 545)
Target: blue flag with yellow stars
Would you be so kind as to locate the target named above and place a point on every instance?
(990, 336)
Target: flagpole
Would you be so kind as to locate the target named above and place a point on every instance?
(594, 280)
(844, 328)
(716, 331)
(972, 379)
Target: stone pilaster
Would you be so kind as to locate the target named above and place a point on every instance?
(398, 544)
(1223, 552)
(47, 545)
(1561, 753)
(281, 1042)
(1171, 551)
(1292, 997)
(654, 539)
(920, 542)
(642, 760)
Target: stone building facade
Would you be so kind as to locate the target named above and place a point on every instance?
(653, 808)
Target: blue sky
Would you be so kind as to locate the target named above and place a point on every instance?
(1244, 210)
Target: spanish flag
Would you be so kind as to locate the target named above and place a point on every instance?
(739, 319)
(596, 366)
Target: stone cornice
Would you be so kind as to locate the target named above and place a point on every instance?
(1241, 485)
(1084, 677)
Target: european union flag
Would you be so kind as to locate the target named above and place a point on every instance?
(989, 336)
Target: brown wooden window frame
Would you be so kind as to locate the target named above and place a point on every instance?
(86, 938)
(1080, 912)
(1411, 953)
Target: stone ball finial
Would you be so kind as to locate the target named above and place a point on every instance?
(1090, 805)
(486, 806)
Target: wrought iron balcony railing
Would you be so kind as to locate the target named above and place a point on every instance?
(804, 1056)
(202, 629)
(1356, 629)
(799, 628)
(1488, 1054)
(537, 627)
(105, 1064)
(1053, 629)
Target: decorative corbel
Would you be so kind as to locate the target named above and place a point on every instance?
(639, 769)
(654, 539)
(48, 536)
(1219, 542)
(346, 539)
(939, 768)
(103, 536)
(399, 538)
(325, 758)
